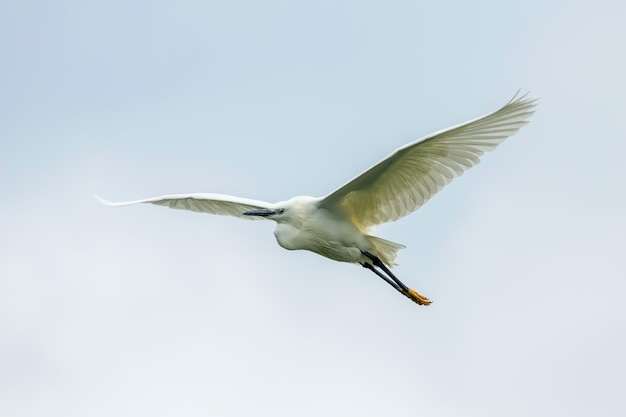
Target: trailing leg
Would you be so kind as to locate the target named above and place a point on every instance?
(392, 280)
(380, 274)
(377, 262)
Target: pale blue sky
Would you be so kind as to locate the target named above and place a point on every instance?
(149, 311)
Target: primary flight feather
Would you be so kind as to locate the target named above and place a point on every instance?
(336, 225)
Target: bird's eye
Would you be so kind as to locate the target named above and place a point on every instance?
(280, 211)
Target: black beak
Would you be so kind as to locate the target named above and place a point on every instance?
(260, 212)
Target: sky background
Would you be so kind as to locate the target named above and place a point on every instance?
(148, 311)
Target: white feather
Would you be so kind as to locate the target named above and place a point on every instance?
(202, 203)
(412, 174)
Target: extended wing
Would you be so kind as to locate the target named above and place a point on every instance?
(203, 203)
(411, 175)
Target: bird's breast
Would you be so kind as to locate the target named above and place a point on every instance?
(331, 238)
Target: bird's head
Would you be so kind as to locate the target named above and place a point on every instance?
(291, 211)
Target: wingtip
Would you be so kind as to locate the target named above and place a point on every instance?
(523, 97)
(102, 200)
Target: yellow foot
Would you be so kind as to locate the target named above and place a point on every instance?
(419, 299)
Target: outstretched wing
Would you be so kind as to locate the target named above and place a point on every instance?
(221, 204)
(411, 175)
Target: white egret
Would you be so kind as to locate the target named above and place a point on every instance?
(337, 225)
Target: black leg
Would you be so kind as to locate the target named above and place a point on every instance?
(377, 262)
(392, 280)
(374, 270)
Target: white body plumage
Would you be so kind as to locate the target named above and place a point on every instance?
(305, 225)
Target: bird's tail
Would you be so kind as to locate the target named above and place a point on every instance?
(385, 249)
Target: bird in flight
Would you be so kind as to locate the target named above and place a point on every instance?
(337, 225)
